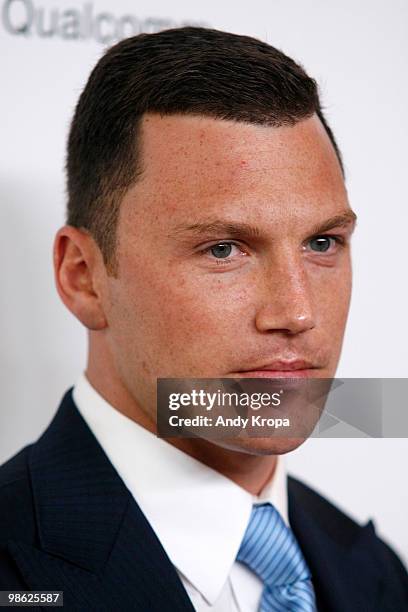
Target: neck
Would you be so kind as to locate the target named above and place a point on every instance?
(251, 472)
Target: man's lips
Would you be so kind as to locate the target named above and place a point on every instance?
(298, 368)
(306, 373)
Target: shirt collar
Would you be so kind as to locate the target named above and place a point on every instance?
(190, 506)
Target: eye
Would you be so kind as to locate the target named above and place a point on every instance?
(222, 250)
(321, 244)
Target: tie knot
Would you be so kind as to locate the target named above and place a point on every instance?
(270, 550)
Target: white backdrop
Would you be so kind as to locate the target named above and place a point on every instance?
(358, 52)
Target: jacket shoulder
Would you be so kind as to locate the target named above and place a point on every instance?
(15, 468)
(346, 531)
(16, 500)
(17, 520)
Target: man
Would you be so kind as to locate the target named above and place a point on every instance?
(208, 236)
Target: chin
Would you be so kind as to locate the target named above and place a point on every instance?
(261, 446)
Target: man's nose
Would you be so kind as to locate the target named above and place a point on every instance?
(286, 303)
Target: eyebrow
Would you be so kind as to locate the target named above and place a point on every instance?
(219, 226)
(342, 220)
(240, 229)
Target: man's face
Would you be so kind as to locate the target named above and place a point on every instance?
(233, 255)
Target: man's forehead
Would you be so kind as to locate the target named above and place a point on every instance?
(196, 155)
(192, 136)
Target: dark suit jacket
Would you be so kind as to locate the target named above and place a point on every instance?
(68, 523)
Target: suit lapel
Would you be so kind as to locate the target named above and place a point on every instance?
(94, 542)
(337, 551)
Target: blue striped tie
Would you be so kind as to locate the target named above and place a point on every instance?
(270, 550)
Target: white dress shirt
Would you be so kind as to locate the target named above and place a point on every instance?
(199, 515)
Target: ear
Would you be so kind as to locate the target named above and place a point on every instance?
(78, 266)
